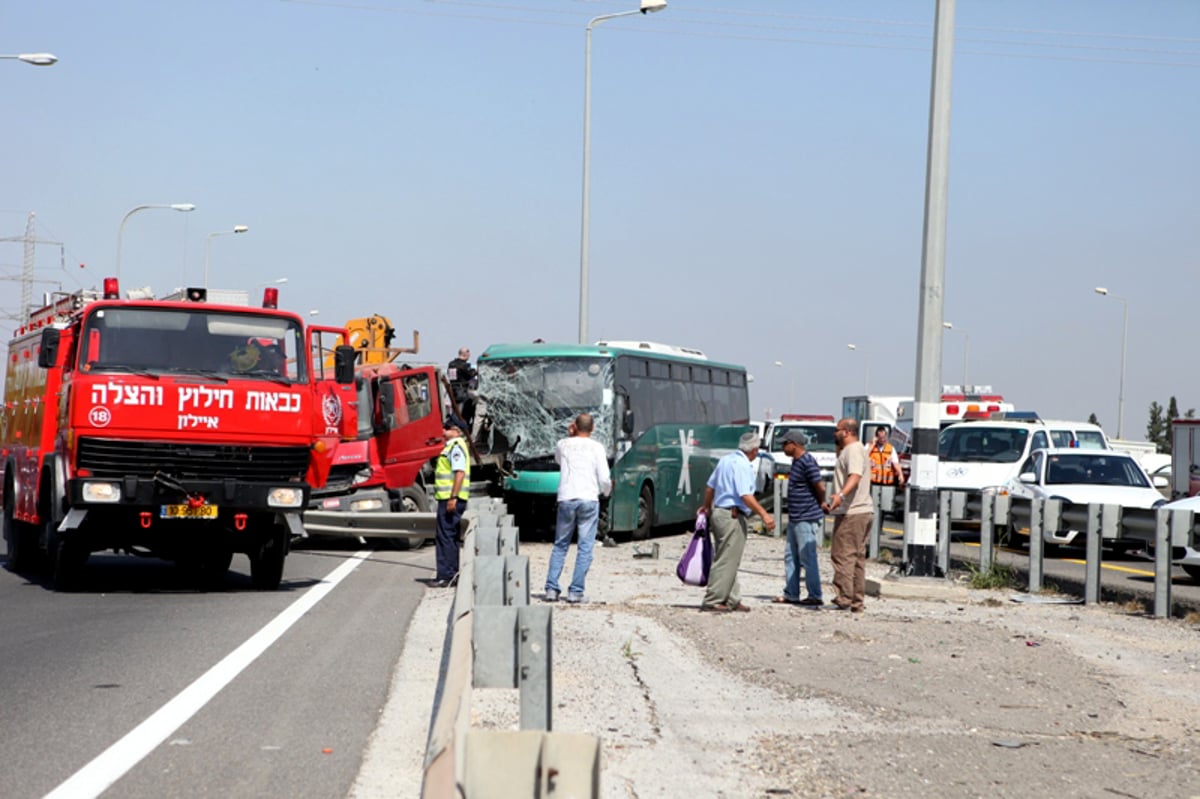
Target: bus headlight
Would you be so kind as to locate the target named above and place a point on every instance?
(285, 497)
(368, 504)
(101, 492)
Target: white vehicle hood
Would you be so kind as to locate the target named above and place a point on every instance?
(974, 475)
(1128, 496)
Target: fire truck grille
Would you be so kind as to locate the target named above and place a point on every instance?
(192, 461)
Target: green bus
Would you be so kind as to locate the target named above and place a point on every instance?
(664, 414)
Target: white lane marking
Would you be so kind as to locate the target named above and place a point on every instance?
(115, 761)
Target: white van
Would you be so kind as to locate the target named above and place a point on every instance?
(974, 456)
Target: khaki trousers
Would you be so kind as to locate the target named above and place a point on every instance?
(848, 551)
(729, 542)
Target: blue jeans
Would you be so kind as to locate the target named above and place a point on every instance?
(801, 552)
(573, 513)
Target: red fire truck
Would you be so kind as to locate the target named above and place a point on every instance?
(176, 429)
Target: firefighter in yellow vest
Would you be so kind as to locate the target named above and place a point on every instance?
(451, 487)
(885, 464)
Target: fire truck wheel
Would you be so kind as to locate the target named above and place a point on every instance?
(19, 538)
(266, 564)
(411, 500)
(645, 514)
(69, 559)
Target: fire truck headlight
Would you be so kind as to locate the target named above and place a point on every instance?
(370, 504)
(362, 475)
(101, 492)
(285, 497)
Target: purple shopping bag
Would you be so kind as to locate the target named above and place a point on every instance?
(696, 562)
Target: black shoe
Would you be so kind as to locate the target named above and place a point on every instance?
(440, 583)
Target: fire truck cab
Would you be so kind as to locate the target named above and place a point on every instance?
(176, 429)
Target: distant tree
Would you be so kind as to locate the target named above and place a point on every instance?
(1157, 429)
(1093, 420)
(1172, 410)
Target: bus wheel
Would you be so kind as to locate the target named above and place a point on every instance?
(411, 500)
(266, 564)
(18, 537)
(645, 514)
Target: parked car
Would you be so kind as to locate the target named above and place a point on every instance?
(1084, 476)
(1186, 557)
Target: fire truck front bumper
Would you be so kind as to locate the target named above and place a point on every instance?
(129, 493)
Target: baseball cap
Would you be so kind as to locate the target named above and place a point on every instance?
(453, 422)
(795, 437)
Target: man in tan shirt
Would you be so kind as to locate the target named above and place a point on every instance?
(853, 509)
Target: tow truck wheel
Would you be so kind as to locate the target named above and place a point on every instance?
(412, 500)
(266, 564)
(18, 537)
(67, 563)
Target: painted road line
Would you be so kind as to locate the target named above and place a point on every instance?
(115, 761)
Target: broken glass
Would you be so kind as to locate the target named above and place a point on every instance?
(530, 402)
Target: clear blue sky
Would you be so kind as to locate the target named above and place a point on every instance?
(757, 177)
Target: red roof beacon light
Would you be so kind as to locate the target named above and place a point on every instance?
(271, 297)
(112, 289)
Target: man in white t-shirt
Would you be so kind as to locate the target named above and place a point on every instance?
(583, 478)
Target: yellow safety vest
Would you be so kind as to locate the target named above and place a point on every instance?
(443, 475)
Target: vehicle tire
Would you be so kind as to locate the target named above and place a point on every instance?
(1192, 571)
(645, 514)
(67, 562)
(411, 500)
(266, 564)
(19, 537)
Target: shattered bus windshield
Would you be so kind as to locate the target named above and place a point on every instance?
(218, 344)
(534, 401)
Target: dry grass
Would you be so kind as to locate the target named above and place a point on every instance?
(1193, 617)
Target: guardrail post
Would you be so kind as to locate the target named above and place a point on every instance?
(1164, 525)
(503, 764)
(533, 666)
(876, 522)
(1037, 543)
(1091, 584)
(777, 491)
(516, 580)
(509, 543)
(987, 501)
(943, 528)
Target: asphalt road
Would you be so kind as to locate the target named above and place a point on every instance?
(80, 671)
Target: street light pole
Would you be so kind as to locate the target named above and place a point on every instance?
(1124, 338)
(647, 6)
(35, 59)
(134, 210)
(866, 368)
(966, 351)
(208, 245)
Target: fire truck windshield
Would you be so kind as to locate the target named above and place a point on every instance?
(153, 340)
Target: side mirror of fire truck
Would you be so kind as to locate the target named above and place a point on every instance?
(48, 353)
(343, 365)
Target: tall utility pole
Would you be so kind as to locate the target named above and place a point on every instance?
(28, 266)
(920, 522)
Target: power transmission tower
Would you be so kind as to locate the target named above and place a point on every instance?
(28, 266)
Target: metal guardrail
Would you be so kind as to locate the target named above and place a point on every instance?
(997, 513)
(497, 640)
(1000, 515)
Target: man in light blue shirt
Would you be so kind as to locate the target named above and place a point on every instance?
(728, 500)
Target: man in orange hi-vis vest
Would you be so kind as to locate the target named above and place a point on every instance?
(885, 463)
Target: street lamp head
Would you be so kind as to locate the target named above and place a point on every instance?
(779, 363)
(851, 347)
(42, 59)
(240, 228)
(948, 325)
(1101, 290)
(650, 6)
(182, 207)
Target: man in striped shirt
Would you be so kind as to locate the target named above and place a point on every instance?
(806, 523)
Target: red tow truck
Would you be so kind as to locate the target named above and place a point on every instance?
(380, 479)
(171, 428)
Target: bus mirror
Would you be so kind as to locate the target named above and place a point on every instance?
(48, 353)
(387, 405)
(627, 422)
(343, 365)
